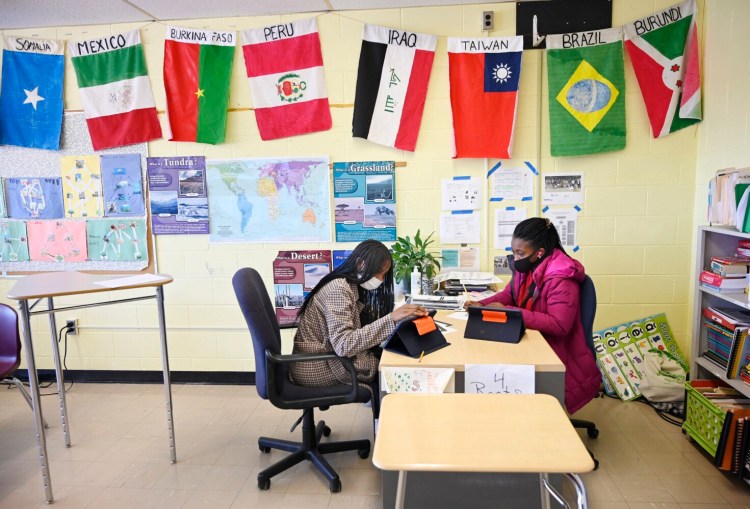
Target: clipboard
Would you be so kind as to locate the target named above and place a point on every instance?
(416, 335)
(495, 324)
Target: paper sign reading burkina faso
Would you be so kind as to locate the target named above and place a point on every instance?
(664, 52)
(394, 70)
(586, 77)
(115, 90)
(484, 75)
(197, 70)
(31, 99)
(285, 70)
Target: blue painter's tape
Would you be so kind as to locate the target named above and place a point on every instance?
(545, 209)
(493, 169)
(510, 208)
(577, 208)
(527, 198)
(462, 178)
(497, 199)
(575, 249)
(509, 249)
(531, 167)
(461, 211)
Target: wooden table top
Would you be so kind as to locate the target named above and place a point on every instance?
(56, 284)
(532, 349)
(525, 433)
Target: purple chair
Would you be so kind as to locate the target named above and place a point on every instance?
(10, 349)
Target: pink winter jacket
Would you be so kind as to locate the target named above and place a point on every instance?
(556, 313)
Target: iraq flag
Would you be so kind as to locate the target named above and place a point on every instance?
(31, 98)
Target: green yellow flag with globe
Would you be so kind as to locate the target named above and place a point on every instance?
(586, 77)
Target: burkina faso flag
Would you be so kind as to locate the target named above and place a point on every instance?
(663, 48)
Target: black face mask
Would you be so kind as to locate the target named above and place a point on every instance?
(525, 265)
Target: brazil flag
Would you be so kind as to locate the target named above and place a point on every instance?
(586, 78)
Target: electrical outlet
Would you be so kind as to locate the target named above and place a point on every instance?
(488, 21)
(72, 326)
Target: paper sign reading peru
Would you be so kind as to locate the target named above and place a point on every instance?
(177, 192)
(295, 273)
(365, 201)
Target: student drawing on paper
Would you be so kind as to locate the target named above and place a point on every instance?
(54, 248)
(11, 245)
(121, 196)
(81, 190)
(115, 238)
(32, 197)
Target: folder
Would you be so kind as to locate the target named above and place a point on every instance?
(495, 324)
(416, 336)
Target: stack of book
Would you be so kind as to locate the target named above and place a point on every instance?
(734, 441)
(726, 274)
(728, 343)
(743, 248)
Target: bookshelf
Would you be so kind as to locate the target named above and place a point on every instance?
(713, 241)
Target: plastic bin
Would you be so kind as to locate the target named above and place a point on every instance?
(703, 419)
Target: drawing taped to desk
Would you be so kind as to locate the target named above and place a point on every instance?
(417, 380)
(499, 379)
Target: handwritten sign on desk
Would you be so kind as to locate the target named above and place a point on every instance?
(421, 380)
(499, 379)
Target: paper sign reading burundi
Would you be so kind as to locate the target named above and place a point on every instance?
(499, 379)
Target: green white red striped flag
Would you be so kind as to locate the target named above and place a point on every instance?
(197, 70)
(115, 90)
(663, 48)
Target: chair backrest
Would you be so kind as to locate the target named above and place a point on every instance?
(10, 341)
(260, 316)
(588, 310)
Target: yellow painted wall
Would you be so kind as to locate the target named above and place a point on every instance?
(635, 230)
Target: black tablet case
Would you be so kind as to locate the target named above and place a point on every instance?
(406, 340)
(484, 323)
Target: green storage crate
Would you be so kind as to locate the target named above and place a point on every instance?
(703, 419)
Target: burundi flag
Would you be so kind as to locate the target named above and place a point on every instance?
(115, 90)
(484, 74)
(664, 51)
(285, 69)
(197, 70)
(394, 70)
(586, 77)
(31, 98)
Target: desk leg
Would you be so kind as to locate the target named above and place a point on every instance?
(41, 440)
(401, 489)
(581, 497)
(165, 368)
(58, 373)
(545, 491)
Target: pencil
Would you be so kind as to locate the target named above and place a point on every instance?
(466, 292)
(421, 355)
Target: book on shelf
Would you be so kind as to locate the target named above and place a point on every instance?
(727, 317)
(738, 354)
(726, 265)
(723, 283)
(744, 243)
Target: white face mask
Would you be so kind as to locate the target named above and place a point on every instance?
(371, 284)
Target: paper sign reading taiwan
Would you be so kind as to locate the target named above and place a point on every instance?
(417, 380)
(499, 379)
(82, 186)
(295, 273)
(177, 192)
(364, 197)
(34, 198)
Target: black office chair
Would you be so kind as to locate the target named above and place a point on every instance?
(588, 313)
(273, 383)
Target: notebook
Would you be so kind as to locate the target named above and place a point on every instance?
(495, 324)
(416, 337)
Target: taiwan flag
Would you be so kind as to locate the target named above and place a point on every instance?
(484, 75)
(197, 70)
(394, 70)
(31, 99)
(664, 51)
(285, 69)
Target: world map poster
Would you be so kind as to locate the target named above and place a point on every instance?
(269, 200)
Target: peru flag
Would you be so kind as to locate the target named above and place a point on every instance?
(394, 70)
(664, 51)
(484, 74)
(197, 69)
(285, 70)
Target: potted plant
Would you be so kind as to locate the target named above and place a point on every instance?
(409, 253)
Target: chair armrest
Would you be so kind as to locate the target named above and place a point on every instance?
(275, 360)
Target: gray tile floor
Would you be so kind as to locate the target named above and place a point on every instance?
(119, 457)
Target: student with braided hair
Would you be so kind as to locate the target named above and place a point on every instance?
(545, 286)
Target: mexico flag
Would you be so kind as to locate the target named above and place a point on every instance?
(197, 70)
(115, 90)
(664, 51)
(484, 74)
(285, 70)
(394, 70)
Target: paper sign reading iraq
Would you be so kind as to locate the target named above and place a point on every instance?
(421, 380)
(499, 379)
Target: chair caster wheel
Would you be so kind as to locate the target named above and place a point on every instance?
(596, 464)
(335, 485)
(264, 483)
(363, 453)
(593, 433)
(264, 448)
(326, 431)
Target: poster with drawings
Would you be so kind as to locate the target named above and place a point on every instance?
(620, 349)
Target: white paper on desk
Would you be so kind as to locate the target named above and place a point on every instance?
(512, 184)
(566, 223)
(140, 279)
(462, 193)
(416, 380)
(499, 379)
(563, 189)
(459, 228)
(459, 315)
(505, 222)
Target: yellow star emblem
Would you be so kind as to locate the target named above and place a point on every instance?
(199, 93)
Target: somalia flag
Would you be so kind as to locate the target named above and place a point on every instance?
(586, 77)
(31, 98)
(664, 51)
